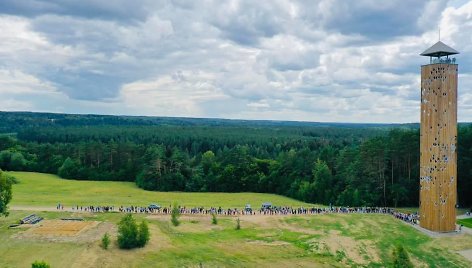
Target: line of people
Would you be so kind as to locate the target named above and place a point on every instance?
(412, 218)
(265, 210)
(92, 208)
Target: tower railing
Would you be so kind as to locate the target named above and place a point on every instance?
(442, 60)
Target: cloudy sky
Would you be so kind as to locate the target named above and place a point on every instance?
(326, 60)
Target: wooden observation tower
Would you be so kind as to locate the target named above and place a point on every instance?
(438, 140)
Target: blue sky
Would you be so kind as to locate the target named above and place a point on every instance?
(326, 60)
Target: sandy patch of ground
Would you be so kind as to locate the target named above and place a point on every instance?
(94, 256)
(297, 228)
(67, 231)
(466, 254)
(200, 227)
(360, 252)
(62, 228)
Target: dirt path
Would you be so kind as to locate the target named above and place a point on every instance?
(466, 254)
(34, 208)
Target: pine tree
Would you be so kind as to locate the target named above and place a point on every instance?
(401, 258)
(175, 215)
(143, 234)
(214, 220)
(127, 232)
(105, 241)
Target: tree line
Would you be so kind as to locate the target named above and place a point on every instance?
(373, 166)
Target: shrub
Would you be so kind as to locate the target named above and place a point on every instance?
(127, 232)
(69, 169)
(130, 235)
(401, 258)
(40, 264)
(105, 241)
(214, 220)
(238, 224)
(143, 234)
(5, 193)
(175, 215)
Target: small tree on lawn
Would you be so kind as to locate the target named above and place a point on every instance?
(127, 232)
(105, 241)
(401, 258)
(5, 193)
(238, 224)
(143, 234)
(175, 215)
(214, 220)
(40, 264)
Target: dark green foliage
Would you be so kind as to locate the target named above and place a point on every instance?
(401, 258)
(341, 164)
(13, 160)
(175, 215)
(40, 264)
(105, 241)
(5, 193)
(127, 232)
(238, 224)
(143, 234)
(69, 169)
(165, 169)
(130, 235)
(214, 220)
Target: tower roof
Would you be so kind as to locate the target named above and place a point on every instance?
(438, 50)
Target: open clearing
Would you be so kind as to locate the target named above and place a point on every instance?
(61, 228)
(330, 240)
(42, 190)
(277, 241)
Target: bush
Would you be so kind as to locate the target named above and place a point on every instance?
(5, 193)
(175, 215)
(40, 264)
(401, 258)
(143, 234)
(127, 232)
(105, 241)
(214, 220)
(69, 169)
(130, 235)
(238, 224)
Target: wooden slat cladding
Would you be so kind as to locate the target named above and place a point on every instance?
(438, 145)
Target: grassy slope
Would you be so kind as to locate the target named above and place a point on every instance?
(305, 241)
(465, 222)
(36, 189)
(299, 241)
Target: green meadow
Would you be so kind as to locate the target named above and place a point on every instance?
(335, 240)
(296, 241)
(40, 190)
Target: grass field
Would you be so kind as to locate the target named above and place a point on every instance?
(37, 189)
(298, 241)
(465, 222)
(336, 240)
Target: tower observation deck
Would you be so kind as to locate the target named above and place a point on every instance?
(438, 139)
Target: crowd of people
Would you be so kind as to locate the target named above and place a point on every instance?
(412, 218)
(91, 208)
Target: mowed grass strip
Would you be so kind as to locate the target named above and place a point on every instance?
(466, 222)
(39, 190)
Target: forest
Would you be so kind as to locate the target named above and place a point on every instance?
(327, 163)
